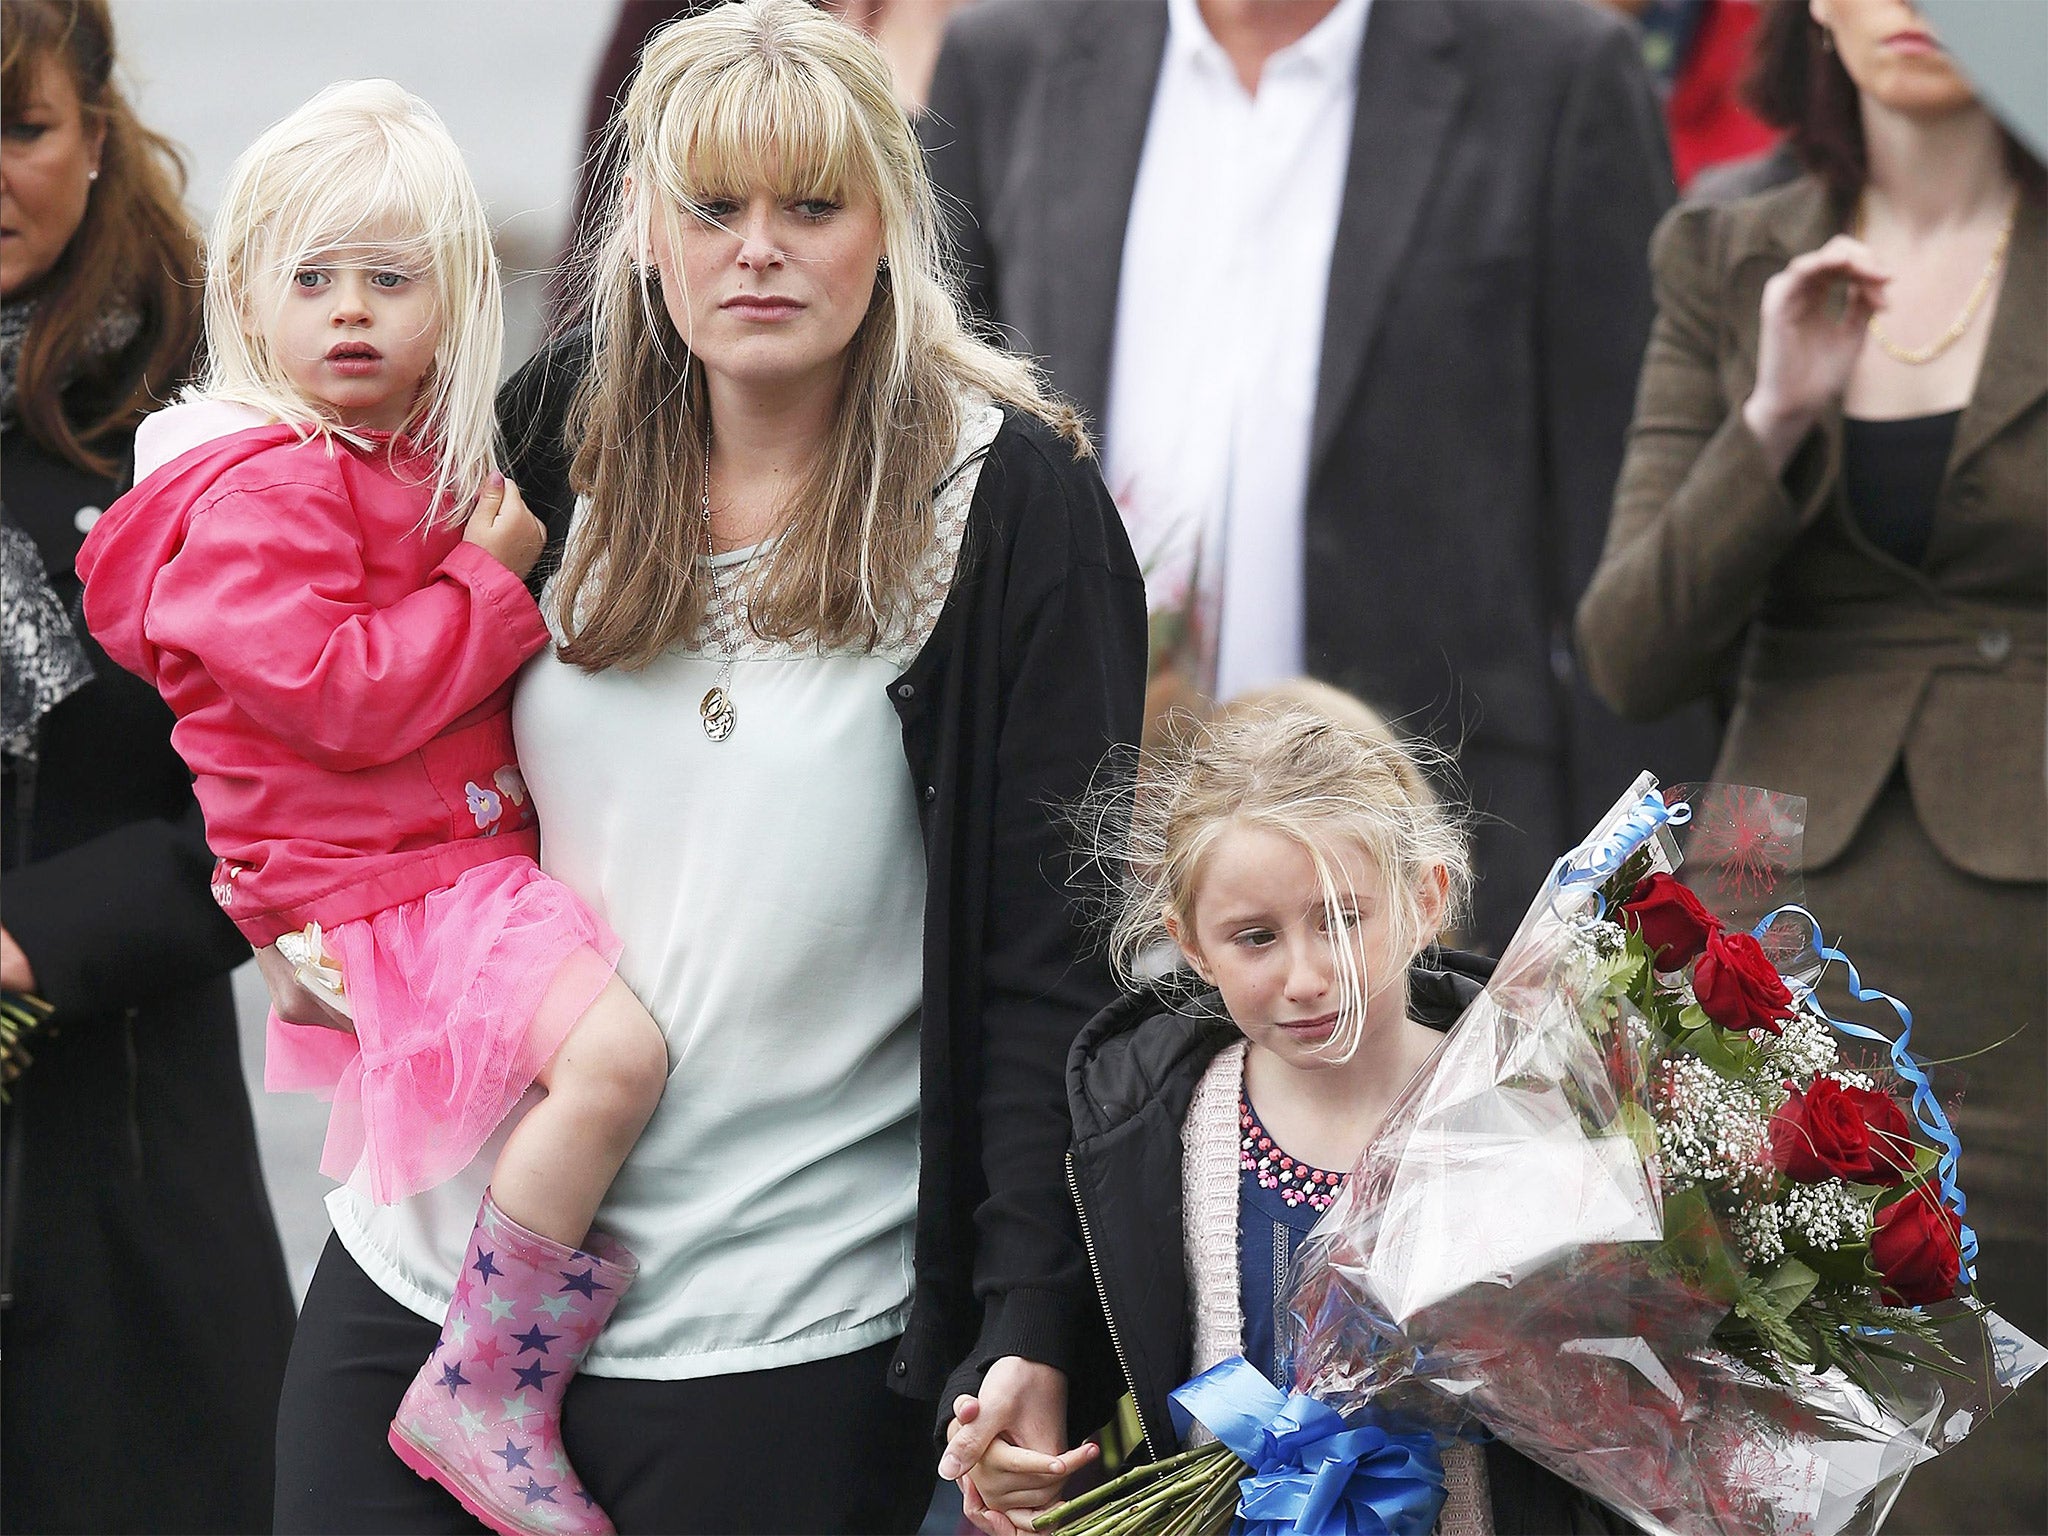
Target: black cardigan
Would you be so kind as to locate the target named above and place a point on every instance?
(1130, 1078)
(1035, 670)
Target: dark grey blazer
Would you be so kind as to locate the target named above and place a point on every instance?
(1489, 301)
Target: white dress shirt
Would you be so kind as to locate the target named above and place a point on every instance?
(1219, 335)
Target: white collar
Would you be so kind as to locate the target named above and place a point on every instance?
(1329, 48)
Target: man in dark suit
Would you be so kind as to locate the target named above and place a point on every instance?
(1485, 177)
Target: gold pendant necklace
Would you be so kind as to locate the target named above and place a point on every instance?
(1915, 356)
(716, 708)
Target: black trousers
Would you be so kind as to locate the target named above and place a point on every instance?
(819, 1448)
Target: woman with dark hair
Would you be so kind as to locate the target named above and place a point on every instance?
(147, 1314)
(1837, 471)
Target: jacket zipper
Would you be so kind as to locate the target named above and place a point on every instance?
(1116, 1341)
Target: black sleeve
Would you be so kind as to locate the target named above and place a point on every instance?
(948, 128)
(123, 919)
(533, 415)
(1073, 674)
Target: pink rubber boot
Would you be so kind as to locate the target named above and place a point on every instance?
(483, 1417)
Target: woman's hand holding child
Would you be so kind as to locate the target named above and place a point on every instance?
(501, 526)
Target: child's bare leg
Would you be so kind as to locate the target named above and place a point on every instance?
(602, 1086)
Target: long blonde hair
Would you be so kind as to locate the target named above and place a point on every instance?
(767, 93)
(1300, 773)
(364, 172)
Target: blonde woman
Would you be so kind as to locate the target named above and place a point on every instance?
(842, 606)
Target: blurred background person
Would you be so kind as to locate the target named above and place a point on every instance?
(1355, 294)
(1838, 466)
(148, 1314)
(1698, 52)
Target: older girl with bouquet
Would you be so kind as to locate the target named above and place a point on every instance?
(1299, 872)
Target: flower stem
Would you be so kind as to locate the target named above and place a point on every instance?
(1060, 1516)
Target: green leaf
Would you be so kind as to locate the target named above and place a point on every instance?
(1846, 1265)
(1732, 1056)
(1785, 1287)
(1696, 1250)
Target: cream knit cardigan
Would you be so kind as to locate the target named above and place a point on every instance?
(1209, 1193)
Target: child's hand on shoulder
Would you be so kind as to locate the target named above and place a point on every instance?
(502, 528)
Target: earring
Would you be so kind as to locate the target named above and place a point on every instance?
(1827, 41)
(92, 175)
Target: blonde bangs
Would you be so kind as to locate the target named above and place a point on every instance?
(365, 174)
(763, 124)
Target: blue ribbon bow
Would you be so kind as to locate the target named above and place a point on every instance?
(1310, 1474)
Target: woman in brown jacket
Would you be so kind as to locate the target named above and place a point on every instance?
(1838, 473)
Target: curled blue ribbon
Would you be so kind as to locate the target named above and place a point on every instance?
(1310, 1474)
(1594, 865)
(1927, 1110)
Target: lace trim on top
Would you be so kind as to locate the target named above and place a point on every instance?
(724, 631)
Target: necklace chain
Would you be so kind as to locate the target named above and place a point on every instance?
(716, 709)
(1915, 356)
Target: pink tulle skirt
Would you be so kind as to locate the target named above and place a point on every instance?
(460, 998)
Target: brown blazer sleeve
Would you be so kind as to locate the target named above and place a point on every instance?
(1699, 518)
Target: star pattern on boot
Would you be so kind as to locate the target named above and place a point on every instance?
(535, 1340)
(534, 1375)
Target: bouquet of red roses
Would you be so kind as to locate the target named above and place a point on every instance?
(1655, 1219)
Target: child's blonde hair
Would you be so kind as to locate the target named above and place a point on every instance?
(1298, 772)
(364, 172)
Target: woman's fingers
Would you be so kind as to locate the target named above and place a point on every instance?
(1807, 281)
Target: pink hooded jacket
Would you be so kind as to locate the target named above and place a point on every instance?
(340, 668)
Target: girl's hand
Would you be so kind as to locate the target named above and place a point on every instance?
(1003, 1447)
(502, 528)
(295, 1003)
(1808, 340)
(1009, 1485)
(16, 974)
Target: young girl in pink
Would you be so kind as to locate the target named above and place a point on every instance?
(323, 574)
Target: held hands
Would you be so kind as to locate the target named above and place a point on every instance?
(1809, 340)
(16, 974)
(294, 1001)
(502, 528)
(1003, 1446)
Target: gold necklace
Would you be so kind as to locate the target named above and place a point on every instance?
(716, 709)
(1915, 356)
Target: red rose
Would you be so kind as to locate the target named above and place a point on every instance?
(1833, 1132)
(1738, 987)
(1915, 1247)
(1671, 920)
